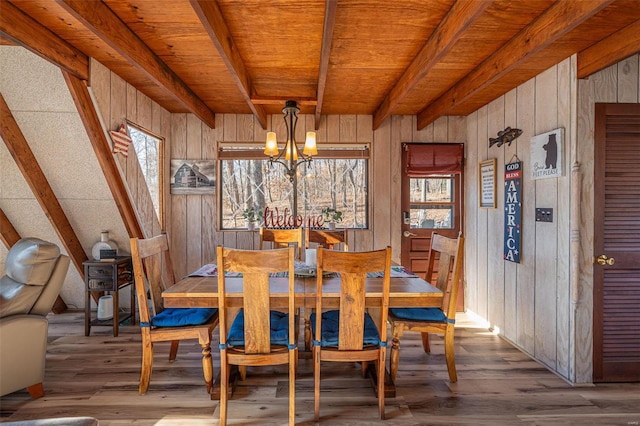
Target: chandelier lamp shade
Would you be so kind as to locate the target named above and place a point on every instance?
(290, 156)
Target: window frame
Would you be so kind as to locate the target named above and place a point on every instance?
(454, 194)
(162, 169)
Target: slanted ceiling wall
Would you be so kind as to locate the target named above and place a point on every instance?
(40, 101)
(530, 303)
(42, 106)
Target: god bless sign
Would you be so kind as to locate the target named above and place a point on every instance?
(512, 211)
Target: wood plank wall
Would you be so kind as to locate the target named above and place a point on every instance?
(194, 218)
(530, 303)
(527, 302)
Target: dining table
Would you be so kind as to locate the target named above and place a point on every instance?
(200, 289)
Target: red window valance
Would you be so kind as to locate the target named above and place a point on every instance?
(426, 159)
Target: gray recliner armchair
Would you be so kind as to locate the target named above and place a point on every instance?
(35, 271)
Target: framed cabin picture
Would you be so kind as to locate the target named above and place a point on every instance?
(487, 183)
(193, 177)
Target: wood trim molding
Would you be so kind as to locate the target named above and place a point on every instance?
(28, 164)
(612, 49)
(542, 32)
(102, 148)
(213, 21)
(331, 6)
(26, 32)
(105, 24)
(459, 18)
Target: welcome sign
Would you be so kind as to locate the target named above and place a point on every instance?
(512, 211)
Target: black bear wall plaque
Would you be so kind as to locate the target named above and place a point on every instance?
(547, 154)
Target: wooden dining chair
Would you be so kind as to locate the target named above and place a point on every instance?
(433, 320)
(153, 272)
(326, 238)
(258, 336)
(282, 238)
(350, 334)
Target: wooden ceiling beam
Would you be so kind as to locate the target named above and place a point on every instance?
(215, 25)
(616, 47)
(101, 20)
(4, 41)
(559, 19)
(28, 164)
(102, 148)
(25, 31)
(8, 233)
(459, 18)
(273, 100)
(331, 6)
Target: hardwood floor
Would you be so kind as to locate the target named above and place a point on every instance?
(497, 384)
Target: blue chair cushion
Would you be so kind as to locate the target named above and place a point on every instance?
(279, 322)
(331, 326)
(419, 314)
(176, 317)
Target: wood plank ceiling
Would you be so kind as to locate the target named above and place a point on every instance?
(426, 58)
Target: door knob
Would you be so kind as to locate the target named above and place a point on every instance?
(409, 234)
(604, 260)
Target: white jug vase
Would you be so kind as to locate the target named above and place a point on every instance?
(104, 244)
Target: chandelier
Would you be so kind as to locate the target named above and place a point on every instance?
(291, 157)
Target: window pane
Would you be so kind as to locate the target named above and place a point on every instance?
(336, 183)
(147, 149)
(430, 216)
(424, 190)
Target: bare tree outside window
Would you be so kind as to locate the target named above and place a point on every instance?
(432, 202)
(148, 148)
(337, 183)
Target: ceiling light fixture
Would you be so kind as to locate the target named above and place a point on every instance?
(292, 155)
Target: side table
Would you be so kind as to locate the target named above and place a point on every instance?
(108, 275)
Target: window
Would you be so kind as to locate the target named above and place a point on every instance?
(148, 149)
(432, 202)
(336, 178)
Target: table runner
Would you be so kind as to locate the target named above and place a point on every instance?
(302, 270)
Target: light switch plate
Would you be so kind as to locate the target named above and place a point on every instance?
(544, 215)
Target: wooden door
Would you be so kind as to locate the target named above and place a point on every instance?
(429, 203)
(616, 280)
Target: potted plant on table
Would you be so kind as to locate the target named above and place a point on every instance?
(332, 216)
(251, 216)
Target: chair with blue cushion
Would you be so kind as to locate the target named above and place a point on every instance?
(259, 335)
(328, 239)
(350, 334)
(433, 320)
(154, 273)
